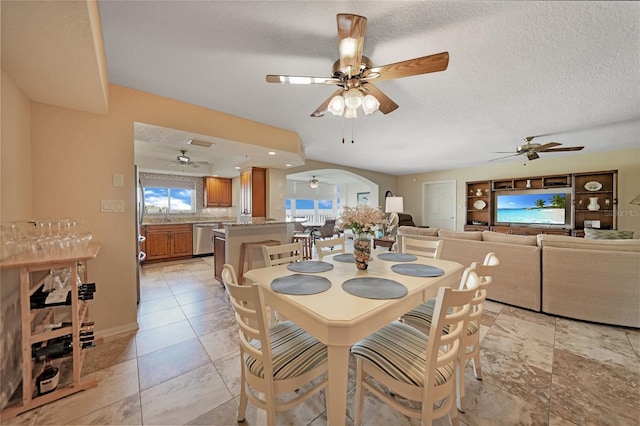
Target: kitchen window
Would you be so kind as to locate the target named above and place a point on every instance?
(167, 197)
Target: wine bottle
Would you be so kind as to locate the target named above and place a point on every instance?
(47, 381)
(60, 346)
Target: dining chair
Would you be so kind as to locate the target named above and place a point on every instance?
(416, 366)
(282, 253)
(425, 248)
(422, 317)
(273, 360)
(330, 247)
(327, 230)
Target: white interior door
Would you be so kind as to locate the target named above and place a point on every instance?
(439, 204)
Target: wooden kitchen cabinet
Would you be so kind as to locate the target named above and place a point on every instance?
(217, 192)
(166, 242)
(253, 192)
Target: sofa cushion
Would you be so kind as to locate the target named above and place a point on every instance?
(414, 230)
(607, 234)
(470, 235)
(546, 240)
(497, 237)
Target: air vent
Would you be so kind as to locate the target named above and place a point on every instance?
(197, 142)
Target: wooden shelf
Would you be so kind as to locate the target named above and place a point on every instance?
(577, 184)
(31, 334)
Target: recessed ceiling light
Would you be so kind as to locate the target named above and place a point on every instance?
(287, 165)
(196, 142)
(237, 167)
(271, 153)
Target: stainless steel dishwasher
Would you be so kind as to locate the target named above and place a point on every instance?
(203, 238)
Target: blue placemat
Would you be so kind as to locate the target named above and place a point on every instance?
(310, 266)
(346, 257)
(374, 288)
(398, 257)
(300, 284)
(416, 270)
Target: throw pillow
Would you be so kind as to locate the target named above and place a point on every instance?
(607, 234)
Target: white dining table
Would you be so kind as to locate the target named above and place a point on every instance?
(339, 319)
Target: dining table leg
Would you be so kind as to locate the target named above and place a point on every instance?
(337, 388)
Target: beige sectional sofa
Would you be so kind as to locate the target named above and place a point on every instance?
(592, 280)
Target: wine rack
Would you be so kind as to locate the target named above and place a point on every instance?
(36, 323)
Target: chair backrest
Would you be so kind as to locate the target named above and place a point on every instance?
(283, 253)
(251, 318)
(405, 219)
(298, 228)
(485, 272)
(426, 248)
(449, 321)
(329, 247)
(328, 229)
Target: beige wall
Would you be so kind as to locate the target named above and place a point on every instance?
(15, 149)
(15, 204)
(627, 162)
(74, 156)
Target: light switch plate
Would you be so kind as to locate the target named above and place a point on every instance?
(118, 180)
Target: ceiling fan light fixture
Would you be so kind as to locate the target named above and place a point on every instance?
(370, 104)
(313, 183)
(353, 98)
(336, 105)
(350, 113)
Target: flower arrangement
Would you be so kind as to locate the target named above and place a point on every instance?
(362, 220)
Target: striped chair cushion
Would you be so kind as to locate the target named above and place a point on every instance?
(400, 351)
(294, 352)
(422, 316)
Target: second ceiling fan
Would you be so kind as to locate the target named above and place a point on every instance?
(354, 73)
(531, 149)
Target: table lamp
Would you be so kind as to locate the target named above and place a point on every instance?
(393, 206)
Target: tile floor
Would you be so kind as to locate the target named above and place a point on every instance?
(181, 367)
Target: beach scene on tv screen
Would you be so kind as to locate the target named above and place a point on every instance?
(531, 208)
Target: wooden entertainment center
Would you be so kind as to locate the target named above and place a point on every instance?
(593, 202)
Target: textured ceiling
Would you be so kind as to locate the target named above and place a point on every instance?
(567, 70)
(53, 51)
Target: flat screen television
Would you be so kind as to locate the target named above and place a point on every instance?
(534, 208)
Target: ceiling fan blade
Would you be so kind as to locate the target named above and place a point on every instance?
(319, 112)
(423, 65)
(351, 29)
(569, 148)
(293, 79)
(506, 156)
(532, 155)
(386, 104)
(194, 165)
(546, 146)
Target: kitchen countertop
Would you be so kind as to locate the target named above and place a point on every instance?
(189, 222)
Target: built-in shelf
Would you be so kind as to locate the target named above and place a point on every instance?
(481, 201)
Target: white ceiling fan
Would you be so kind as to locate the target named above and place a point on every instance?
(183, 160)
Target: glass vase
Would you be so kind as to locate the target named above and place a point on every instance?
(362, 250)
